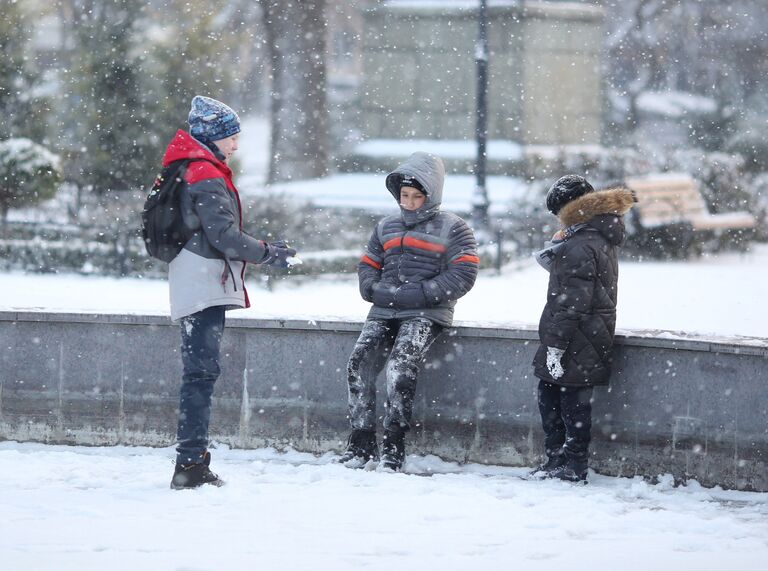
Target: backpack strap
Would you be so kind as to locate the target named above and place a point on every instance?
(182, 163)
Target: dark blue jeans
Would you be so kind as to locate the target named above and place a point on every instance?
(566, 417)
(200, 342)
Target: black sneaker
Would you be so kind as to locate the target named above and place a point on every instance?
(571, 471)
(188, 476)
(361, 448)
(554, 462)
(393, 451)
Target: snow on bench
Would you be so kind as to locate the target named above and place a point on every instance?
(674, 198)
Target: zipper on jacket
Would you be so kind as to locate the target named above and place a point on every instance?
(400, 259)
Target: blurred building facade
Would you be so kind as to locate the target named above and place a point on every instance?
(545, 76)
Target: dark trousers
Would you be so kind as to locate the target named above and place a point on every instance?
(401, 345)
(566, 416)
(201, 335)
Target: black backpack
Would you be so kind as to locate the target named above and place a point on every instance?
(162, 225)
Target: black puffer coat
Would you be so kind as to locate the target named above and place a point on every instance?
(418, 263)
(580, 314)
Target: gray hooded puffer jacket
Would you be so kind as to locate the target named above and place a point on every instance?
(418, 263)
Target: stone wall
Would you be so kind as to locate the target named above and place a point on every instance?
(692, 408)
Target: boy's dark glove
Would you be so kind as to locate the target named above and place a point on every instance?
(410, 296)
(366, 292)
(277, 254)
(383, 295)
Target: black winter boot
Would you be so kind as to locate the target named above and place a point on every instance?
(555, 461)
(195, 475)
(361, 447)
(574, 470)
(393, 451)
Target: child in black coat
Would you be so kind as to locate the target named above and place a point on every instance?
(577, 324)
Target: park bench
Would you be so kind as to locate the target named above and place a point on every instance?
(671, 216)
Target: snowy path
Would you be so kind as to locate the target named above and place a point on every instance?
(719, 295)
(72, 508)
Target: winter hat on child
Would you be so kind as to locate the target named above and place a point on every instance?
(567, 188)
(412, 182)
(210, 120)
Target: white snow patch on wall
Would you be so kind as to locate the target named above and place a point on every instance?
(675, 103)
(446, 149)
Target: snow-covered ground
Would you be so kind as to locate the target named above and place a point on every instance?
(80, 509)
(717, 296)
(72, 508)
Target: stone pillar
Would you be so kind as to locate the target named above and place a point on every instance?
(562, 95)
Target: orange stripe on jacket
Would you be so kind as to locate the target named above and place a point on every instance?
(423, 245)
(391, 243)
(467, 258)
(414, 243)
(370, 262)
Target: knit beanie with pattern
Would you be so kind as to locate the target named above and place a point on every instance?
(210, 120)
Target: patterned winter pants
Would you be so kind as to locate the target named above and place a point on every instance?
(401, 345)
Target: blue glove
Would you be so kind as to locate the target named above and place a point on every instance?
(277, 254)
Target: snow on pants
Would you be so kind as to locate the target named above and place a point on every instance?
(566, 417)
(401, 345)
(201, 335)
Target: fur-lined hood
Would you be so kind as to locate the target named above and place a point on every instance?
(616, 201)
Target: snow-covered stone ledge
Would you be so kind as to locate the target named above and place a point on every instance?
(692, 407)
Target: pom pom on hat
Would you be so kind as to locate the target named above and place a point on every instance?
(210, 120)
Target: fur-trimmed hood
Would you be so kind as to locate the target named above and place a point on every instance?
(602, 211)
(616, 201)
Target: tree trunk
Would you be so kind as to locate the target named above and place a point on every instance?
(299, 114)
(3, 220)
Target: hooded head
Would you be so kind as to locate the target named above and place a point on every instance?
(424, 172)
(211, 120)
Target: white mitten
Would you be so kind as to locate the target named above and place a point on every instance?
(554, 366)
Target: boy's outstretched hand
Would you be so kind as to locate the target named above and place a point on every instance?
(279, 254)
(554, 366)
